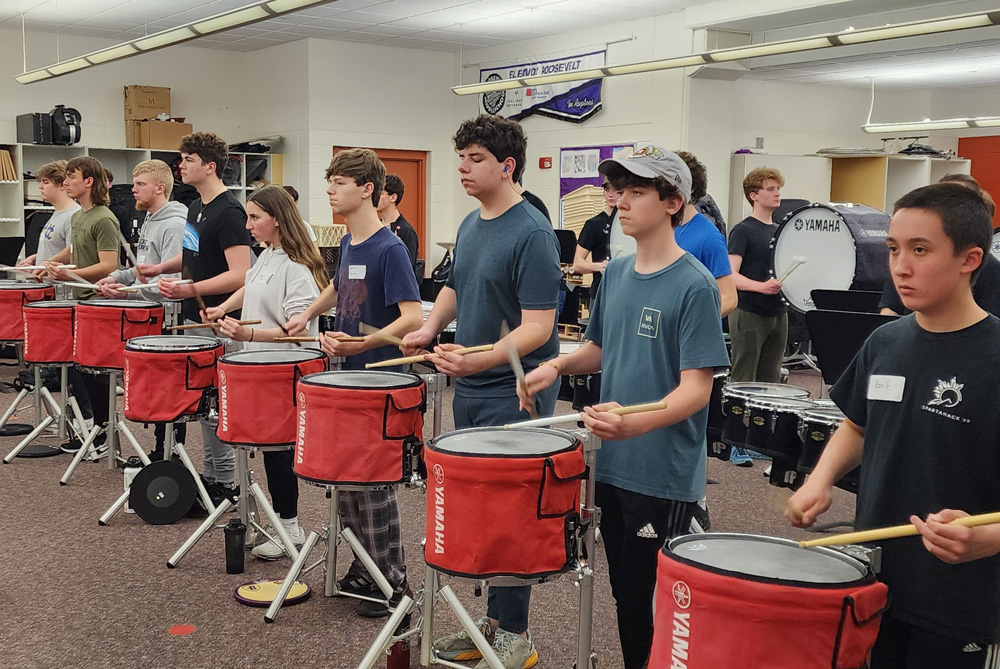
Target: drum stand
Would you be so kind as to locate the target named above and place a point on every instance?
(334, 532)
(56, 412)
(423, 601)
(252, 500)
(170, 448)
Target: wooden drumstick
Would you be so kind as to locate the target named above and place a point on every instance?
(377, 333)
(318, 338)
(138, 287)
(31, 268)
(896, 531)
(574, 417)
(799, 260)
(195, 326)
(422, 358)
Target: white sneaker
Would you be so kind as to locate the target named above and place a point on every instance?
(271, 550)
(514, 651)
(96, 452)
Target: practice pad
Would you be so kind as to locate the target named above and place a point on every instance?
(262, 593)
(39, 451)
(162, 492)
(15, 429)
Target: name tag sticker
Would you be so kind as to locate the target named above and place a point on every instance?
(886, 388)
(357, 271)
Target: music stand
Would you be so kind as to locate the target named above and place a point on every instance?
(859, 301)
(837, 336)
(10, 249)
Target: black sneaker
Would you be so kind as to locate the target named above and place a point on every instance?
(701, 518)
(358, 584)
(71, 446)
(156, 454)
(370, 609)
(220, 491)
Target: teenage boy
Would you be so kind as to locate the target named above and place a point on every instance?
(923, 421)
(160, 239)
(216, 256)
(758, 326)
(392, 195)
(94, 251)
(654, 330)
(508, 272)
(595, 240)
(374, 285)
(55, 234)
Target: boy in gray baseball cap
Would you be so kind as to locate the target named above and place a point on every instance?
(654, 329)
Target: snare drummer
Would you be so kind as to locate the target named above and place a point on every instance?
(375, 285)
(55, 234)
(287, 277)
(923, 421)
(159, 239)
(654, 330)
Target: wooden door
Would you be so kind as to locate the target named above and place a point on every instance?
(984, 152)
(410, 166)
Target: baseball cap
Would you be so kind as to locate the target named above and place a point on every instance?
(653, 161)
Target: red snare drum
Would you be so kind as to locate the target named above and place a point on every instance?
(530, 477)
(13, 296)
(812, 607)
(257, 401)
(48, 332)
(166, 375)
(358, 427)
(103, 327)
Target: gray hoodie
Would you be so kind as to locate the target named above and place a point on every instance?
(159, 240)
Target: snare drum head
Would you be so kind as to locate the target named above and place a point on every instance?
(767, 557)
(497, 442)
(819, 235)
(823, 416)
(362, 379)
(51, 304)
(748, 389)
(121, 304)
(271, 356)
(172, 343)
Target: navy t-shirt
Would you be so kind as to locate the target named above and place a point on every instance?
(372, 279)
(503, 265)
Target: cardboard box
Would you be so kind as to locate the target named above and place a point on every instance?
(155, 134)
(146, 102)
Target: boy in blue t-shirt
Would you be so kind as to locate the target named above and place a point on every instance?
(654, 329)
(374, 285)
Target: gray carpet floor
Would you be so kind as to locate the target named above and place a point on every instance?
(74, 594)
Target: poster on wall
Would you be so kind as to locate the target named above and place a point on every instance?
(574, 102)
(578, 165)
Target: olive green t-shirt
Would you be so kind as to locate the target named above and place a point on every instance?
(94, 231)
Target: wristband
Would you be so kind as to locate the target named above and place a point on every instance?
(551, 363)
(251, 334)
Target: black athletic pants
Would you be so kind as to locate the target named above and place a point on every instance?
(160, 434)
(635, 528)
(91, 393)
(282, 483)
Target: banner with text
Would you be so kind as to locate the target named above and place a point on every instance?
(575, 101)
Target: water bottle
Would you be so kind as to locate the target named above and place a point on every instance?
(235, 533)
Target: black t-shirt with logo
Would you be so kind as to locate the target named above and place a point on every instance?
(596, 238)
(211, 229)
(986, 291)
(751, 239)
(931, 412)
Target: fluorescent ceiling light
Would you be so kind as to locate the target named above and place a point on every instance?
(562, 77)
(943, 124)
(242, 16)
(865, 36)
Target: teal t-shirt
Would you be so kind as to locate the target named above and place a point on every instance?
(649, 328)
(503, 265)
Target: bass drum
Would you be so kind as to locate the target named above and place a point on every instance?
(836, 247)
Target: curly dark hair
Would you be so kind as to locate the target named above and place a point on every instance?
(500, 136)
(209, 147)
(699, 175)
(394, 186)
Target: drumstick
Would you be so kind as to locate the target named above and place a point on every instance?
(135, 288)
(195, 326)
(75, 284)
(574, 417)
(186, 273)
(422, 358)
(318, 338)
(896, 531)
(128, 249)
(799, 260)
(515, 364)
(31, 268)
(373, 331)
(79, 278)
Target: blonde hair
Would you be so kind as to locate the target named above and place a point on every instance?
(160, 172)
(54, 172)
(295, 241)
(755, 179)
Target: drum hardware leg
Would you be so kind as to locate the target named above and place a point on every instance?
(585, 634)
(448, 596)
(78, 458)
(14, 406)
(199, 533)
(435, 391)
(112, 442)
(367, 561)
(387, 636)
(258, 494)
(130, 438)
(186, 461)
(329, 535)
(64, 397)
(36, 394)
(427, 617)
(28, 439)
(290, 577)
(120, 502)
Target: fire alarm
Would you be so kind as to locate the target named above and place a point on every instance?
(545, 163)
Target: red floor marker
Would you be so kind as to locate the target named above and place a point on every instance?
(182, 630)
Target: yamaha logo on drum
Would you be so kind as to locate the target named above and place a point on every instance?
(439, 474)
(223, 402)
(817, 225)
(682, 594)
(125, 381)
(681, 626)
(439, 514)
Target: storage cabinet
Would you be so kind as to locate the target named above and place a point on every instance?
(878, 181)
